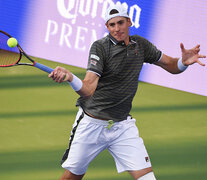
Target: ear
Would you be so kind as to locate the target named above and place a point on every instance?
(107, 26)
(129, 21)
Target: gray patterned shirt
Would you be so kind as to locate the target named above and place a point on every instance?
(119, 67)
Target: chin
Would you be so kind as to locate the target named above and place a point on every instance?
(119, 39)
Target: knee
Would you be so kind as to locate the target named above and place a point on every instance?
(148, 176)
(143, 174)
(67, 175)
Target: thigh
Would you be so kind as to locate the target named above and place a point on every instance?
(84, 147)
(129, 150)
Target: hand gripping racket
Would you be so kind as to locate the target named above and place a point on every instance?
(12, 56)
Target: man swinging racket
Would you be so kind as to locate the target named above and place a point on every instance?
(106, 93)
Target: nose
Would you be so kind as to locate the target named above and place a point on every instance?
(117, 28)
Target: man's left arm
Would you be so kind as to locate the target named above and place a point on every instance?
(178, 65)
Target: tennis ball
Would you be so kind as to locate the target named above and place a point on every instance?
(12, 42)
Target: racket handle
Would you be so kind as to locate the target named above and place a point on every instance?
(43, 67)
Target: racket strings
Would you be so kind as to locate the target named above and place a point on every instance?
(8, 56)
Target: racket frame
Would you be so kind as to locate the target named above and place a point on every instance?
(21, 52)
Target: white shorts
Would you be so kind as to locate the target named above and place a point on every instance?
(90, 136)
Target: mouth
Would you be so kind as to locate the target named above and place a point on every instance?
(118, 35)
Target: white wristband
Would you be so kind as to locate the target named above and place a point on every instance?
(76, 83)
(181, 66)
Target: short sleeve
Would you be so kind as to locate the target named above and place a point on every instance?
(151, 53)
(96, 58)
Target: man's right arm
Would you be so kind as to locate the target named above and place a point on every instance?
(86, 87)
(90, 83)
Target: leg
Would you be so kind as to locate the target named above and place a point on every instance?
(67, 175)
(84, 146)
(130, 153)
(140, 173)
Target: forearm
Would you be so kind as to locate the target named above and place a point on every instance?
(87, 90)
(86, 87)
(171, 64)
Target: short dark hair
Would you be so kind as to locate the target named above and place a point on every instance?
(113, 11)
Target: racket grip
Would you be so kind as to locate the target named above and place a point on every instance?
(43, 67)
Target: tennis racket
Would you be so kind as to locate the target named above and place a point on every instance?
(12, 56)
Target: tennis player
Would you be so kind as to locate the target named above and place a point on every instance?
(106, 93)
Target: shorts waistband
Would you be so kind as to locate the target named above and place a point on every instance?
(96, 121)
(102, 122)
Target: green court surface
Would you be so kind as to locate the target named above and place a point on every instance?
(36, 117)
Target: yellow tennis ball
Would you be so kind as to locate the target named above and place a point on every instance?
(12, 42)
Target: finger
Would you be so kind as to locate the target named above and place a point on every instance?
(199, 62)
(182, 47)
(51, 74)
(202, 56)
(56, 71)
(60, 77)
(197, 46)
(197, 50)
(66, 77)
(57, 78)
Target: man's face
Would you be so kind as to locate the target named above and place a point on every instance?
(118, 27)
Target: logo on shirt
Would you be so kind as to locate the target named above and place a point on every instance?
(93, 56)
(136, 51)
(93, 62)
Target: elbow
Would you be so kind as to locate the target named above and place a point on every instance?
(175, 72)
(86, 95)
(88, 89)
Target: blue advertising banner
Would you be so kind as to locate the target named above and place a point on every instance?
(63, 30)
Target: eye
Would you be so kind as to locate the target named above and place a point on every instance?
(121, 22)
(112, 24)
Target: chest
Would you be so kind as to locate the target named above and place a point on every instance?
(124, 60)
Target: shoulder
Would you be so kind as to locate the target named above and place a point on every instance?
(101, 45)
(139, 39)
(101, 42)
(143, 42)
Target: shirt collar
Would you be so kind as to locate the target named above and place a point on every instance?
(115, 42)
